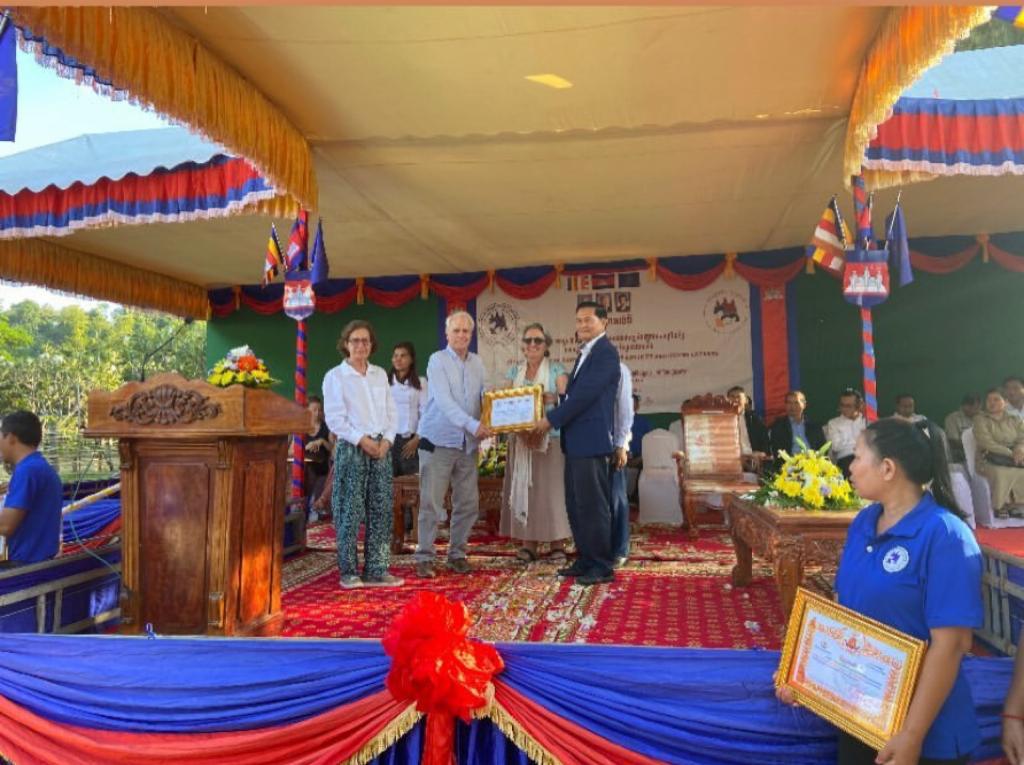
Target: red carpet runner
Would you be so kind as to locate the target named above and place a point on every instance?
(673, 592)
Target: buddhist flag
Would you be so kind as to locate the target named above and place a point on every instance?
(828, 244)
(1014, 14)
(297, 241)
(318, 258)
(273, 262)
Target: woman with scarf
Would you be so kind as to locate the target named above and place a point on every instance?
(533, 494)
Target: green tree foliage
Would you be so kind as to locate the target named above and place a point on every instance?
(50, 359)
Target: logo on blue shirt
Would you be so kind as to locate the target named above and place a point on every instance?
(896, 559)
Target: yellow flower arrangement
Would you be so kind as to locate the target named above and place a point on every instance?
(240, 367)
(808, 479)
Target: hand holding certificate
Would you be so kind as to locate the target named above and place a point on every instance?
(513, 409)
(855, 672)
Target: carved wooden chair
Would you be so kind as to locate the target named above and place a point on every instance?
(710, 462)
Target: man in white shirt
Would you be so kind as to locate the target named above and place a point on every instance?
(905, 409)
(620, 500)
(842, 431)
(1013, 392)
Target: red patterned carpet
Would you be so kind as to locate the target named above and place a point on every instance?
(673, 592)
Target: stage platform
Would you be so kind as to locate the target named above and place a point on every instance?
(673, 592)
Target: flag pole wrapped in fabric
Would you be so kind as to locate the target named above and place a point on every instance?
(298, 303)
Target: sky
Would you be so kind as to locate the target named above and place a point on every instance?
(51, 109)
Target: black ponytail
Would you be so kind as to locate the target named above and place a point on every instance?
(920, 449)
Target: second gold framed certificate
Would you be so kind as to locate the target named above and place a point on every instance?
(855, 672)
(513, 409)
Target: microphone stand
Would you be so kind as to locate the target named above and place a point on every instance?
(164, 344)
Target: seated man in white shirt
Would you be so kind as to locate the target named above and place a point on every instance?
(842, 431)
(905, 409)
(1013, 392)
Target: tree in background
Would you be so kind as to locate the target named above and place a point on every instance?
(50, 359)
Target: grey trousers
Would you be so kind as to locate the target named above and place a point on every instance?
(440, 469)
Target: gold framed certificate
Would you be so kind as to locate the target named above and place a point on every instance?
(511, 409)
(855, 672)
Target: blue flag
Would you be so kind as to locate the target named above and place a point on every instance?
(319, 267)
(8, 79)
(899, 247)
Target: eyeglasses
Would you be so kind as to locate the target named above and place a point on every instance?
(359, 341)
(533, 341)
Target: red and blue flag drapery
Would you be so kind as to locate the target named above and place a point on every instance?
(965, 116)
(144, 176)
(208, 700)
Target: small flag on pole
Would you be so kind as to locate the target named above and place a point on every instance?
(318, 258)
(828, 244)
(297, 242)
(862, 202)
(272, 263)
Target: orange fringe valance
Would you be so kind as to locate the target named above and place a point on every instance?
(37, 261)
(160, 67)
(911, 40)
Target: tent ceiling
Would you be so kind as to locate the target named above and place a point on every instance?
(687, 130)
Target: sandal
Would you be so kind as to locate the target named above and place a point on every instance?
(526, 555)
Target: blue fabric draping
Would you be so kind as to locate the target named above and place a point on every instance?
(63, 60)
(458, 279)
(631, 264)
(690, 265)
(84, 523)
(525, 275)
(185, 684)
(698, 705)
(8, 84)
(393, 283)
(273, 291)
(333, 287)
(673, 705)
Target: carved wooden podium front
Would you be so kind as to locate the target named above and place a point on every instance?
(203, 474)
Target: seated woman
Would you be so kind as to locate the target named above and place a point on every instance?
(319, 450)
(910, 562)
(1000, 439)
(533, 495)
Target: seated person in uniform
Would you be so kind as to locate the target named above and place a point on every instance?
(959, 421)
(31, 513)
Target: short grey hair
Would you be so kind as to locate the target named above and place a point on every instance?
(450, 319)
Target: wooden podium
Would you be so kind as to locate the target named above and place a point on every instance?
(203, 474)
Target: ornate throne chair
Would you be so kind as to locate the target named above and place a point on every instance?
(711, 462)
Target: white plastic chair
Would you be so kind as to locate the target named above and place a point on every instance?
(659, 480)
(981, 491)
(961, 486)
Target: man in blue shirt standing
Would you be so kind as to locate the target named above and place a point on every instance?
(31, 514)
(450, 431)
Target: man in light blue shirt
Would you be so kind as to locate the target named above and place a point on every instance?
(450, 432)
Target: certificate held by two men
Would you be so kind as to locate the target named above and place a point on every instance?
(855, 672)
(513, 409)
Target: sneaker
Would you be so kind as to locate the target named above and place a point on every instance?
(351, 581)
(387, 580)
(425, 571)
(460, 566)
(1003, 512)
(572, 570)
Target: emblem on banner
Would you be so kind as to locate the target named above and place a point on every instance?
(866, 277)
(499, 322)
(726, 311)
(299, 300)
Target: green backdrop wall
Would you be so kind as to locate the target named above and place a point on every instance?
(937, 338)
(272, 338)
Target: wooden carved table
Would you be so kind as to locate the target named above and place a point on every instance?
(789, 539)
(407, 494)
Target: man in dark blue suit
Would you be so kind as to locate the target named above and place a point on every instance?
(586, 417)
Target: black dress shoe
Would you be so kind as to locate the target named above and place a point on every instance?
(572, 570)
(590, 579)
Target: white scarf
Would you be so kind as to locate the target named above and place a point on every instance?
(520, 458)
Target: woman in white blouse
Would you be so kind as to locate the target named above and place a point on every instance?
(409, 391)
(360, 411)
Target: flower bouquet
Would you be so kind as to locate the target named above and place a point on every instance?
(240, 367)
(493, 459)
(808, 480)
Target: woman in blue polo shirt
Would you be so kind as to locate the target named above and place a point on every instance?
(912, 563)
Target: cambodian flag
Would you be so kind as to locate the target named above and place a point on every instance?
(297, 242)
